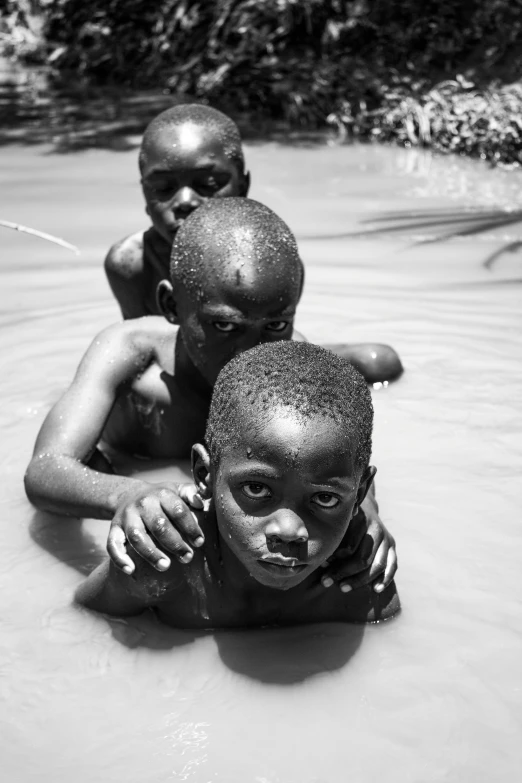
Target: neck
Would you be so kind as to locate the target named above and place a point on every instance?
(160, 247)
(188, 376)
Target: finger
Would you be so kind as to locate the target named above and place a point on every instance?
(117, 550)
(165, 534)
(368, 575)
(189, 493)
(182, 518)
(141, 542)
(389, 572)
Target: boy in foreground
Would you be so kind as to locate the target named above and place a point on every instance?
(190, 154)
(144, 388)
(284, 470)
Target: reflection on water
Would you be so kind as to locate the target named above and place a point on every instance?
(434, 695)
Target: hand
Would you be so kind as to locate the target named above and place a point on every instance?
(367, 555)
(155, 513)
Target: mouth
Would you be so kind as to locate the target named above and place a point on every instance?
(285, 567)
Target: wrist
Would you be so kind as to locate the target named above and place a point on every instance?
(126, 489)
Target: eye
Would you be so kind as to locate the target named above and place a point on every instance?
(225, 326)
(326, 500)
(161, 188)
(209, 186)
(277, 326)
(256, 491)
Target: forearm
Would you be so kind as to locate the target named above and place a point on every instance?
(63, 485)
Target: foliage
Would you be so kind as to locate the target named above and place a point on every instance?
(453, 116)
(384, 69)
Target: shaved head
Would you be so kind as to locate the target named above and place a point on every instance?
(193, 116)
(237, 242)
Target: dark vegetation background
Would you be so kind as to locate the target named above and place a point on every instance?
(444, 73)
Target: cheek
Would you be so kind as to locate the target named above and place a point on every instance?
(325, 539)
(243, 533)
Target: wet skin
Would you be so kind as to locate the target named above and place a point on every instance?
(144, 387)
(184, 166)
(282, 498)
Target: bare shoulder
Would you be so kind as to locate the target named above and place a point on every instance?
(109, 591)
(125, 349)
(125, 258)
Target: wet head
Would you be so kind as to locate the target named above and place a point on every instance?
(289, 443)
(236, 282)
(189, 154)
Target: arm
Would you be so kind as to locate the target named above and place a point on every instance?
(59, 480)
(124, 269)
(367, 555)
(376, 362)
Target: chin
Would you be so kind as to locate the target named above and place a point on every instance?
(282, 582)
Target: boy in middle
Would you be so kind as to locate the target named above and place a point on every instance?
(144, 388)
(191, 154)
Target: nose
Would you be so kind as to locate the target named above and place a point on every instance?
(286, 527)
(186, 200)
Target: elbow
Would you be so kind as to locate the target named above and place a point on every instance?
(377, 363)
(37, 484)
(32, 485)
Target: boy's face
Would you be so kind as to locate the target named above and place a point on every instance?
(184, 167)
(285, 494)
(237, 311)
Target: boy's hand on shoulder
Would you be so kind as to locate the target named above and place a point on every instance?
(366, 556)
(153, 516)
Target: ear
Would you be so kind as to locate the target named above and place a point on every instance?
(302, 281)
(165, 301)
(364, 485)
(245, 184)
(200, 459)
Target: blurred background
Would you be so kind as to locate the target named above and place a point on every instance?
(441, 73)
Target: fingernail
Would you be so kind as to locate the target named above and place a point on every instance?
(346, 588)
(163, 563)
(379, 588)
(127, 569)
(327, 581)
(199, 541)
(187, 557)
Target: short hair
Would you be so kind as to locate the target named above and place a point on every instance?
(305, 378)
(229, 224)
(224, 128)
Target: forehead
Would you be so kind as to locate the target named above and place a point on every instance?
(315, 447)
(241, 286)
(187, 145)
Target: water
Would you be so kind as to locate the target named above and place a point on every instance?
(432, 696)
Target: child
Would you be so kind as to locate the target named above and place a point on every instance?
(144, 387)
(285, 468)
(190, 154)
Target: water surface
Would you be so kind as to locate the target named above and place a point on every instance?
(431, 696)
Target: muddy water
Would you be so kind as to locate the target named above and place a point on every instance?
(432, 696)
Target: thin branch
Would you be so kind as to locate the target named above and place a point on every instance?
(34, 232)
